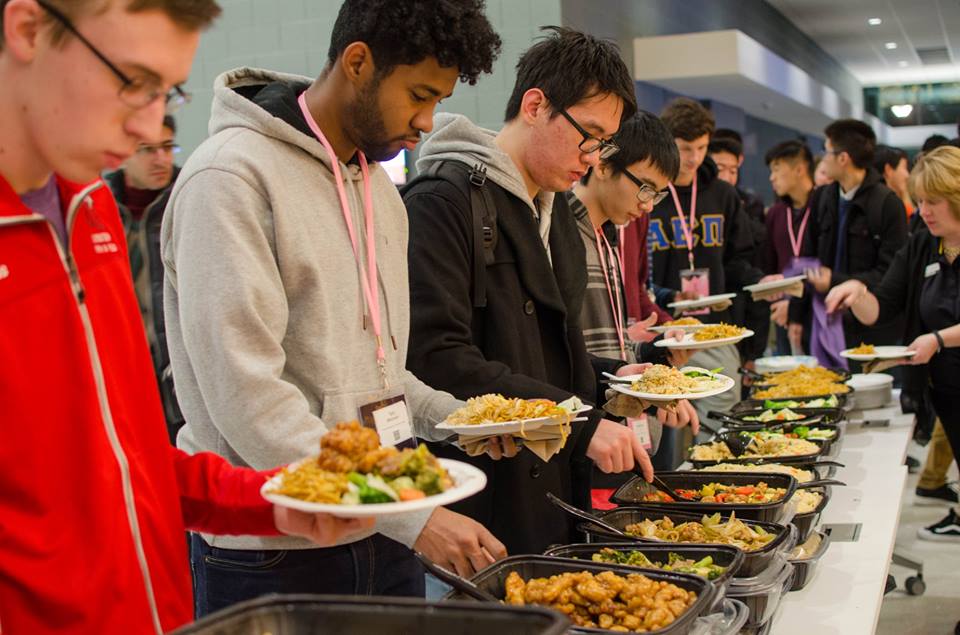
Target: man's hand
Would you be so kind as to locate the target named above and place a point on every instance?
(843, 296)
(820, 278)
(502, 447)
(795, 335)
(678, 357)
(772, 278)
(632, 369)
(615, 448)
(780, 312)
(686, 295)
(926, 347)
(685, 414)
(637, 332)
(458, 543)
(323, 529)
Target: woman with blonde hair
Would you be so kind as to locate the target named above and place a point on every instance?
(924, 282)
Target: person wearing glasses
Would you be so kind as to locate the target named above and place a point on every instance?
(620, 191)
(94, 501)
(524, 338)
(700, 239)
(141, 188)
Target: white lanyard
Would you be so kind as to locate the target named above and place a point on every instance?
(796, 241)
(368, 278)
(613, 291)
(687, 228)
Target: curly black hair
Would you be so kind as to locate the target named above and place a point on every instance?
(455, 32)
(570, 66)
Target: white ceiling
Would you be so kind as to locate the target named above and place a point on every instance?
(840, 27)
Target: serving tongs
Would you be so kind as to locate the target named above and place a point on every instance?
(823, 482)
(457, 582)
(587, 516)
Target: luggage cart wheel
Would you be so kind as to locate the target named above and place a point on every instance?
(915, 585)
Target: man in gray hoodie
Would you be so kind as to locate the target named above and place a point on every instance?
(279, 324)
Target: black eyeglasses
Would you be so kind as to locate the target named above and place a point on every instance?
(167, 147)
(646, 194)
(590, 143)
(136, 93)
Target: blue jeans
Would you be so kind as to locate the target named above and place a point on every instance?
(374, 566)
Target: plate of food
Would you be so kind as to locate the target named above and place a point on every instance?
(495, 414)
(686, 324)
(664, 383)
(869, 353)
(774, 285)
(702, 302)
(801, 382)
(711, 336)
(353, 477)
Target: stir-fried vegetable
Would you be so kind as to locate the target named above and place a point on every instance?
(705, 568)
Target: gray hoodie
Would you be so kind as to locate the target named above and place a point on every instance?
(263, 299)
(456, 138)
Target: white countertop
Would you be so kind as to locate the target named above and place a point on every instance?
(846, 591)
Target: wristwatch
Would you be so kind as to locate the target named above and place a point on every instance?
(940, 344)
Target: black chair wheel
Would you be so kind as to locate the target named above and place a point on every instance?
(915, 585)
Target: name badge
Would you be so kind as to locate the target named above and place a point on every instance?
(390, 417)
(932, 270)
(641, 428)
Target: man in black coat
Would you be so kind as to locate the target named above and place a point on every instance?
(524, 338)
(857, 224)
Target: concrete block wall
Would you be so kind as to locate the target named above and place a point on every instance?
(293, 36)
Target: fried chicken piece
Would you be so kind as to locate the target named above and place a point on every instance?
(342, 449)
(371, 459)
(515, 587)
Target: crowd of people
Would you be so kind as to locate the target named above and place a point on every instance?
(173, 335)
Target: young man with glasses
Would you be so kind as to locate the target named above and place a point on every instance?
(141, 188)
(523, 339)
(94, 501)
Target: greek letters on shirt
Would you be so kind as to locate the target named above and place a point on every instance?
(708, 231)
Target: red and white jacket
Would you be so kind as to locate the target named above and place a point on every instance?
(94, 501)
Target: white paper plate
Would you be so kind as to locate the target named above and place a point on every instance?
(688, 343)
(701, 303)
(773, 285)
(724, 384)
(882, 352)
(505, 427)
(686, 328)
(467, 480)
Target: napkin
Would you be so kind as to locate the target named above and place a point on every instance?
(879, 365)
(545, 441)
(795, 289)
(622, 405)
(722, 305)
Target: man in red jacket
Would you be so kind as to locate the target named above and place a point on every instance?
(93, 500)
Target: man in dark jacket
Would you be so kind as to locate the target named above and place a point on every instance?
(704, 212)
(142, 188)
(858, 226)
(523, 339)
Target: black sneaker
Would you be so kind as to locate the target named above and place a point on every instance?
(947, 530)
(944, 495)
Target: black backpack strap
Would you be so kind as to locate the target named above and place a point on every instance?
(483, 215)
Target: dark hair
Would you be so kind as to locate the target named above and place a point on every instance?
(570, 66)
(855, 138)
(642, 137)
(727, 133)
(933, 142)
(170, 122)
(725, 144)
(193, 15)
(455, 32)
(887, 155)
(792, 150)
(687, 119)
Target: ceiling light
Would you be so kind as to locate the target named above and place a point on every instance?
(903, 63)
(874, 21)
(891, 45)
(902, 111)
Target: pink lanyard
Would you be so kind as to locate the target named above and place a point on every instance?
(797, 241)
(687, 228)
(368, 279)
(614, 290)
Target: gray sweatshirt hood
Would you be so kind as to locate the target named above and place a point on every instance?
(456, 138)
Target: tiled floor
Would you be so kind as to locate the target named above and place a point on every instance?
(937, 611)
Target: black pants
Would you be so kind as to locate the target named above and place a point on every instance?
(947, 407)
(374, 566)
